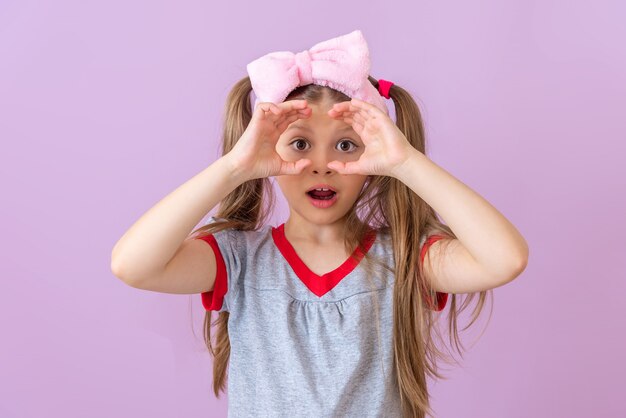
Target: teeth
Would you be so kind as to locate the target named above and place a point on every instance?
(322, 190)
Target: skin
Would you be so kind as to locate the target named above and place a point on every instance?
(488, 252)
(327, 142)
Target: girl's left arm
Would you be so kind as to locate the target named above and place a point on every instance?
(489, 251)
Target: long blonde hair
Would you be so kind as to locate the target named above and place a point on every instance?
(383, 204)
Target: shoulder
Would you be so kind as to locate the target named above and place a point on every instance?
(382, 248)
(239, 239)
(384, 239)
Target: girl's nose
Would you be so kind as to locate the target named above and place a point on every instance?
(319, 163)
(327, 171)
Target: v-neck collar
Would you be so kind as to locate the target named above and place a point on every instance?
(319, 285)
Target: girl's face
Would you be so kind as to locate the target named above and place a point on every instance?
(320, 139)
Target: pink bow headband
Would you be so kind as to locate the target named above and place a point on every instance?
(341, 63)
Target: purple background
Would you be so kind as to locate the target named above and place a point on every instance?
(106, 107)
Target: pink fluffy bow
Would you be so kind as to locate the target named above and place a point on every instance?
(341, 63)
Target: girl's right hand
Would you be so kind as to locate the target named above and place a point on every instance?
(255, 152)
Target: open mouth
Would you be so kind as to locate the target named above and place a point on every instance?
(321, 195)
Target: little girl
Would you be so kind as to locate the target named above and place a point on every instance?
(331, 312)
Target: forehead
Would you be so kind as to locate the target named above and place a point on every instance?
(300, 126)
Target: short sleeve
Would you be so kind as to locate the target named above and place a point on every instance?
(441, 298)
(228, 256)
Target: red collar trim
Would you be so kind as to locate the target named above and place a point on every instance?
(319, 285)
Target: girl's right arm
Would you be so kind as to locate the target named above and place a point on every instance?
(141, 255)
(155, 254)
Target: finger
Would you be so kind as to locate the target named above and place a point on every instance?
(356, 106)
(369, 108)
(346, 109)
(302, 164)
(357, 126)
(267, 108)
(340, 115)
(358, 117)
(353, 119)
(338, 112)
(294, 104)
(341, 106)
(333, 112)
(294, 115)
(285, 122)
(290, 106)
(336, 165)
(348, 106)
(300, 113)
(306, 112)
(271, 107)
(259, 110)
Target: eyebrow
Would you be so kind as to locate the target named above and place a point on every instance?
(306, 128)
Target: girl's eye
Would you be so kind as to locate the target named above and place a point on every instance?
(343, 148)
(349, 143)
(298, 141)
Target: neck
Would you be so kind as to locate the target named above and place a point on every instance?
(327, 234)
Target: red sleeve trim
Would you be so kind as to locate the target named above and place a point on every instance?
(213, 300)
(442, 298)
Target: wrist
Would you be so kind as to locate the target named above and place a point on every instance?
(404, 169)
(236, 173)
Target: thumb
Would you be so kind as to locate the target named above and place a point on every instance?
(342, 168)
(291, 167)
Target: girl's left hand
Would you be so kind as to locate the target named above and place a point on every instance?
(386, 147)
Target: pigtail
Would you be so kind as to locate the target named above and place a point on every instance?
(246, 208)
(410, 220)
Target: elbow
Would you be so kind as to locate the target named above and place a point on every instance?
(518, 267)
(116, 265)
(116, 268)
(522, 259)
(120, 272)
(514, 268)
